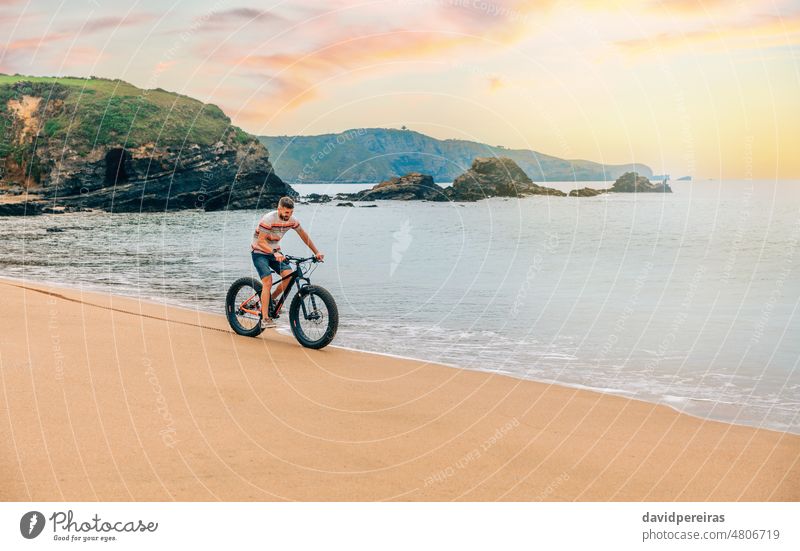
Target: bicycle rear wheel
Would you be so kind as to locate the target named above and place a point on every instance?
(243, 306)
(313, 317)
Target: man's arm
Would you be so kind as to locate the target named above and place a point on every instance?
(307, 240)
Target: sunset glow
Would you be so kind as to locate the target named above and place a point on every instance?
(705, 88)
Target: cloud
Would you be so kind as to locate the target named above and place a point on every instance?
(15, 50)
(660, 6)
(247, 14)
(434, 31)
(758, 32)
(102, 23)
(17, 18)
(235, 18)
(689, 6)
(297, 77)
(37, 42)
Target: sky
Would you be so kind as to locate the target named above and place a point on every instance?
(708, 88)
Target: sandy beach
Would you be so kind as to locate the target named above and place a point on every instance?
(115, 399)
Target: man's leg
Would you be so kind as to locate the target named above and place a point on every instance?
(282, 285)
(266, 285)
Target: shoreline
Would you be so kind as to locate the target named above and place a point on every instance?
(114, 398)
(286, 332)
(577, 386)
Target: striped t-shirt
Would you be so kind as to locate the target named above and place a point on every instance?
(275, 229)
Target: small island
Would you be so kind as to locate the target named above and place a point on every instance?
(630, 182)
(487, 177)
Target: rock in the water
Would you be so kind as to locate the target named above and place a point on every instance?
(586, 192)
(631, 182)
(495, 177)
(317, 198)
(410, 187)
(21, 208)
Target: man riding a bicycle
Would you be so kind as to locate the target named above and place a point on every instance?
(267, 256)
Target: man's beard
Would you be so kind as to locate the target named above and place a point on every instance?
(285, 217)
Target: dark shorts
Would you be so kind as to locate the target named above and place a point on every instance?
(266, 264)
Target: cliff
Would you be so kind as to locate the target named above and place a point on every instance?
(405, 188)
(71, 144)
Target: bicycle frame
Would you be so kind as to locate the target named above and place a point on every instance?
(295, 277)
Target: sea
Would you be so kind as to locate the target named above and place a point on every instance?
(688, 299)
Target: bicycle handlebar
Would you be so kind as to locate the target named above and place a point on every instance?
(299, 260)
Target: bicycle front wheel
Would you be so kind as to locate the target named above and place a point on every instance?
(313, 317)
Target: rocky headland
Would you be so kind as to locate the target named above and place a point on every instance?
(76, 144)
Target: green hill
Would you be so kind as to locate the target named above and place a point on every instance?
(100, 111)
(81, 114)
(376, 154)
(100, 143)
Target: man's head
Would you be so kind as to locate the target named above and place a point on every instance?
(285, 208)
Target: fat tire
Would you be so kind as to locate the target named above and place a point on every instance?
(295, 311)
(231, 306)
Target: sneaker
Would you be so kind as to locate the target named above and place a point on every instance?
(267, 323)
